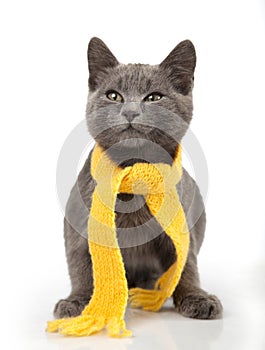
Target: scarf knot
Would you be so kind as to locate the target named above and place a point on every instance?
(144, 179)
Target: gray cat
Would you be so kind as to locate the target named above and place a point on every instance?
(138, 113)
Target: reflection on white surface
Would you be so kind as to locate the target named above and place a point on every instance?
(242, 326)
(163, 330)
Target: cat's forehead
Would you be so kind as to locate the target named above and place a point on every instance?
(139, 78)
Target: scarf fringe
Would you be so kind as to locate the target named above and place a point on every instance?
(87, 325)
(149, 300)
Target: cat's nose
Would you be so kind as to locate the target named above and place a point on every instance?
(130, 115)
(130, 111)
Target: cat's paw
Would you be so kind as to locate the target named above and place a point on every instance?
(69, 308)
(204, 307)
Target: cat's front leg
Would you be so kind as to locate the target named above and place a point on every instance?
(192, 301)
(80, 271)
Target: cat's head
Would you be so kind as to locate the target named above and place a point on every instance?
(137, 103)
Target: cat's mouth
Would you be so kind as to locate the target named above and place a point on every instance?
(139, 128)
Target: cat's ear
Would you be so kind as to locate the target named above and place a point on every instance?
(179, 66)
(100, 59)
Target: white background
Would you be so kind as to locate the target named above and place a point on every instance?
(43, 89)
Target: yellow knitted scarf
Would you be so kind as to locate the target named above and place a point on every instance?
(157, 182)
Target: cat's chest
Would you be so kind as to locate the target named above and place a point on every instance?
(147, 250)
(131, 211)
(135, 225)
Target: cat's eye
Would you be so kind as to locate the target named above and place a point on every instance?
(155, 96)
(114, 96)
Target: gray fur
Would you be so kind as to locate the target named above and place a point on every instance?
(155, 130)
